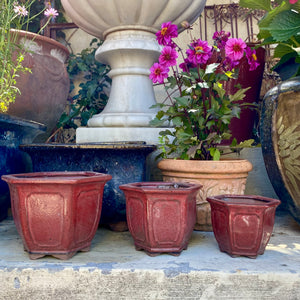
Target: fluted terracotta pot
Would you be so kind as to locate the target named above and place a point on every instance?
(216, 177)
(45, 89)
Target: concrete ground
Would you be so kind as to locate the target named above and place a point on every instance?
(113, 269)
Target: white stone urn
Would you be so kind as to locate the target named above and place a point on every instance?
(130, 48)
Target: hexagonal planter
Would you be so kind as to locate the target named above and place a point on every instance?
(161, 215)
(56, 213)
(242, 225)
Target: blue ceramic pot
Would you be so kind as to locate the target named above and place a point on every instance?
(13, 132)
(125, 162)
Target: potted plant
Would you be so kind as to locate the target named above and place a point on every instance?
(199, 111)
(160, 215)
(31, 65)
(279, 128)
(242, 224)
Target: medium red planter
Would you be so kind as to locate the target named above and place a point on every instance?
(56, 213)
(242, 224)
(161, 215)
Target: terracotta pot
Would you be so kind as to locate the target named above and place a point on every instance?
(44, 91)
(242, 225)
(160, 216)
(280, 140)
(216, 177)
(56, 213)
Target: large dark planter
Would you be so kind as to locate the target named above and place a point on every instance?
(45, 89)
(14, 131)
(56, 213)
(242, 225)
(280, 139)
(160, 215)
(126, 162)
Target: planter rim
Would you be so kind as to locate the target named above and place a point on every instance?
(91, 146)
(233, 200)
(52, 177)
(161, 187)
(206, 166)
(44, 39)
(6, 118)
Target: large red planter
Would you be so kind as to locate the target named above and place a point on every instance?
(161, 215)
(242, 225)
(56, 213)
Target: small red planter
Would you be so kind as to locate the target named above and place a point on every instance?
(161, 215)
(56, 213)
(242, 224)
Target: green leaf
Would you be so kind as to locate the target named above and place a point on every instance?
(282, 49)
(256, 4)
(285, 25)
(211, 68)
(239, 95)
(182, 100)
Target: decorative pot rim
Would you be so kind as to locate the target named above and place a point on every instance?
(237, 200)
(161, 187)
(52, 177)
(206, 166)
(7, 118)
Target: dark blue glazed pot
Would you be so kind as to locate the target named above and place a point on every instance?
(125, 162)
(13, 132)
(280, 139)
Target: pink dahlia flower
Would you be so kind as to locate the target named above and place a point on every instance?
(158, 73)
(199, 52)
(187, 65)
(252, 58)
(221, 38)
(168, 56)
(235, 48)
(167, 32)
(293, 1)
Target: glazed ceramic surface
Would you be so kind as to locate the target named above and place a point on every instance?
(216, 177)
(280, 139)
(161, 216)
(242, 225)
(56, 213)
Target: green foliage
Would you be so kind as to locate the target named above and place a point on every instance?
(280, 26)
(91, 96)
(200, 116)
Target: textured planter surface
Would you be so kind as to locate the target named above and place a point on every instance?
(216, 177)
(56, 213)
(280, 139)
(45, 89)
(242, 224)
(161, 216)
(126, 162)
(14, 131)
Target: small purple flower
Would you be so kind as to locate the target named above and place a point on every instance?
(199, 52)
(252, 58)
(51, 12)
(20, 10)
(221, 38)
(167, 32)
(168, 56)
(229, 64)
(235, 48)
(187, 65)
(158, 73)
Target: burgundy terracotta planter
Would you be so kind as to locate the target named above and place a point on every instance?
(161, 215)
(242, 225)
(56, 213)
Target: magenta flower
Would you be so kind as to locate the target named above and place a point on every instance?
(293, 1)
(229, 64)
(187, 65)
(20, 10)
(220, 38)
(51, 12)
(235, 48)
(252, 58)
(199, 52)
(167, 32)
(158, 73)
(168, 56)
